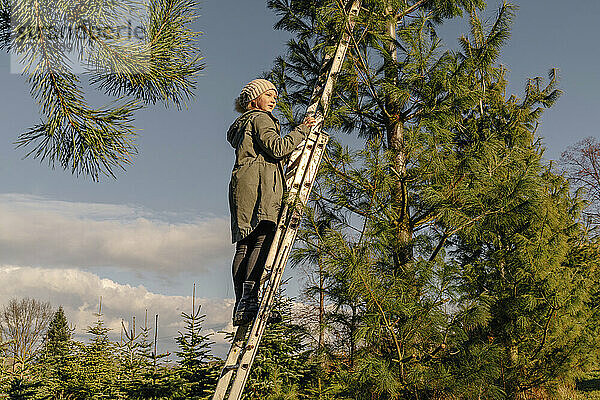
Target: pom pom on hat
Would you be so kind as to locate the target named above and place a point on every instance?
(251, 91)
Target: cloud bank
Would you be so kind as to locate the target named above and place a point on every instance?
(79, 293)
(41, 232)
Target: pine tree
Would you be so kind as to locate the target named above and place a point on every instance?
(158, 66)
(378, 255)
(450, 177)
(380, 96)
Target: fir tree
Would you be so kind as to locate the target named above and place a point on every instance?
(56, 361)
(21, 388)
(132, 349)
(196, 367)
(97, 367)
(142, 377)
(56, 342)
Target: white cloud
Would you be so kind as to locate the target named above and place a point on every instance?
(79, 293)
(42, 232)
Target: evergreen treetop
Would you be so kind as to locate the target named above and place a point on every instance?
(197, 368)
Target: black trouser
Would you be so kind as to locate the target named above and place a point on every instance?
(250, 257)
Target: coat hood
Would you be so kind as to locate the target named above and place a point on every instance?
(235, 133)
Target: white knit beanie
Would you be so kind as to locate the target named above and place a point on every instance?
(251, 91)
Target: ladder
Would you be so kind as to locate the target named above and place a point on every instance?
(300, 175)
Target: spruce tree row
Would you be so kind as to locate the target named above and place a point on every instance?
(65, 368)
(133, 368)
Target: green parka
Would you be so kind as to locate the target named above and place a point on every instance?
(257, 181)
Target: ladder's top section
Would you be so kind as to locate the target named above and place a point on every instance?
(321, 96)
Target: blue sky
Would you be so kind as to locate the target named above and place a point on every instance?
(144, 238)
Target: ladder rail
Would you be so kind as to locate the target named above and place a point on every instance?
(340, 53)
(231, 361)
(321, 95)
(303, 167)
(274, 263)
(305, 178)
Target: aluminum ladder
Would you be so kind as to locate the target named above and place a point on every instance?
(300, 175)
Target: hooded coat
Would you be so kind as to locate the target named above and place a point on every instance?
(257, 180)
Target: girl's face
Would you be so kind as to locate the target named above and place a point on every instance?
(266, 101)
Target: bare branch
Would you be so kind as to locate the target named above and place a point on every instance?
(24, 323)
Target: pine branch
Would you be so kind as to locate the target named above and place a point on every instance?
(382, 313)
(439, 247)
(363, 71)
(161, 67)
(410, 9)
(5, 29)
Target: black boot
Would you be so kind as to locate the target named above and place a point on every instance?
(266, 275)
(275, 317)
(247, 308)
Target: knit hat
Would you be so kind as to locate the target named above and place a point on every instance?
(251, 91)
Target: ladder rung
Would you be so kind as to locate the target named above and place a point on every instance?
(300, 179)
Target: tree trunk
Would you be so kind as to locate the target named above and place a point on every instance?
(321, 346)
(395, 142)
(353, 328)
(321, 308)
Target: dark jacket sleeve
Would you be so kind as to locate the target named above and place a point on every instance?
(269, 140)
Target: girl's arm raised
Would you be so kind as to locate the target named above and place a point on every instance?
(274, 145)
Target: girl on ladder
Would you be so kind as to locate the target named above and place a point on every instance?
(256, 188)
